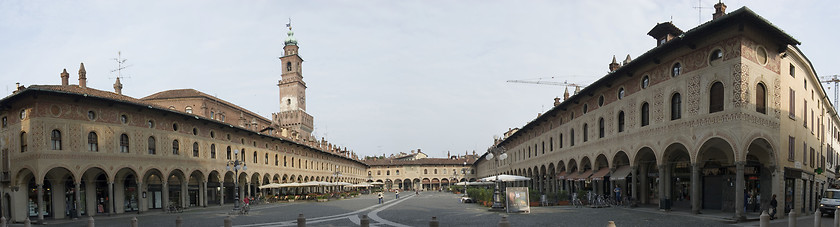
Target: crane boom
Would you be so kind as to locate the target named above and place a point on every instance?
(832, 79)
(564, 83)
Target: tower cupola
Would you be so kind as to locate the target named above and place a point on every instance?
(291, 39)
(664, 32)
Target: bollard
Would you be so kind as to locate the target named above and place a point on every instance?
(764, 219)
(817, 218)
(228, 222)
(792, 218)
(301, 221)
(504, 222)
(179, 221)
(134, 222)
(434, 222)
(27, 222)
(836, 218)
(610, 224)
(364, 222)
(3, 221)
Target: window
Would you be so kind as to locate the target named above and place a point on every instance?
(276, 161)
(124, 143)
(601, 127)
(542, 151)
(212, 134)
(812, 157)
(212, 115)
(805, 113)
(228, 153)
(56, 139)
(150, 123)
(620, 93)
(792, 71)
(585, 108)
(91, 115)
(585, 132)
(715, 57)
(23, 114)
(600, 100)
(791, 148)
(255, 157)
(572, 138)
(761, 55)
(792, 104)
(435, 171)
(716, 97)
(388, 172)
(266, 158)
(213, 151)
(560, 139)
(175, 127)
(93, 142)
(5, 122)
(188, 109)
(398, 172)
(760, 99)
(676, 106)
(676, 69)
(195, 131)
(550, 145)
(195, 149)
(425, 171)
(620, 121)
(645, 114)
(123, 119)
(23, 142)
(804, 153)
(379, 172)
(175, 147)
(645, 82)
(152, 145)
(288, 66)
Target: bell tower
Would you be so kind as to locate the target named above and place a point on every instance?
(292, 89)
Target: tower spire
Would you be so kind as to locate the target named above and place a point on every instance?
(65, 77)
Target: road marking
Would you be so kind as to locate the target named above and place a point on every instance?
(353, 216)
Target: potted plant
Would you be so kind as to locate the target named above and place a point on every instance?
(322, 198)
(563, 197)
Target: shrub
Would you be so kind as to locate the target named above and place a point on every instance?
(563, 195)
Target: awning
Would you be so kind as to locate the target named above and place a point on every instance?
(584, 175)
(621, 173)
(561, 175)
(601, 173)
(572, 175)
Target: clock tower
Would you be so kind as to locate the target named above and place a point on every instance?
(293, 90)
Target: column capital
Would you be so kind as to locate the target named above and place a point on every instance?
(740, 163)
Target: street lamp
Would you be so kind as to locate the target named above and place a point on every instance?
(498, 154)
(336, 174)
(237, 164)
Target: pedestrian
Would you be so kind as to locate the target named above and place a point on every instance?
(380, 197)
(398, 193)
(617, 191)
(773, 205)
(246, 200)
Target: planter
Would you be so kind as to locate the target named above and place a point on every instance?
(563, 203)
(534, 204)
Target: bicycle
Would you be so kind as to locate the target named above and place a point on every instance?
(174, 209)
(245, 209)
(577, 203)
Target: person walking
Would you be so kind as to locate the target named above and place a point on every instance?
(773, 204)
(398, 193)
(617, 191)
(380, 197)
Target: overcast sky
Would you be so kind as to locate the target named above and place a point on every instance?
(383, 76)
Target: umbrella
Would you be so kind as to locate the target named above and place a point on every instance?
(272, 185)
(473, 183)
(377, 183)
(505, 178)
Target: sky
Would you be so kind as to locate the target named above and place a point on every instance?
(383, 77)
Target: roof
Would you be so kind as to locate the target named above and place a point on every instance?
(663, 28)
(743, 14)
(192, 93)
(424, 161)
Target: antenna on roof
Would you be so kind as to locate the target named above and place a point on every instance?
(700, 8)
(120, 66)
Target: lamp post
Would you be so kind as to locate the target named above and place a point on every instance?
(336, 174)
(237, 164)
(498, 154)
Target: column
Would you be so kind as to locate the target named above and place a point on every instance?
(634, 182)
(141, 201)
(78, 204)
(739, 190)
(40, 203)
(111, 199)
(203, 194)
(222, 193)
(661, 186)
(667, 180)
(695, 188)
(643, 184)
(165, 200)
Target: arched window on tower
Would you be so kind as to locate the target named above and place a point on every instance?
(676, 106)
(716, 97)
(188, 109)
(124, 143)
(23, 142)
(585, 132)
(621, 121)
(601, 128)
(152, 147)
(213, 151)
(288, 66)
(645, 114)
(572, 138)
(56, 139)
(195, 149)
(175, 147)
(760, 99)
(228, 153)
(93, 142)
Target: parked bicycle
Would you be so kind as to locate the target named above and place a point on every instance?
(174, 209)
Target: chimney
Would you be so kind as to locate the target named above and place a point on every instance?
(720, 10)
(118, 86)
(82, 77)
(614, 65)
(65, 77)
(556, 101)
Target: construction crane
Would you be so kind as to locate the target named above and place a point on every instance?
(832, 79)
(541, 81)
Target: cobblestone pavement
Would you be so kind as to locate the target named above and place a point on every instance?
(409, 210)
